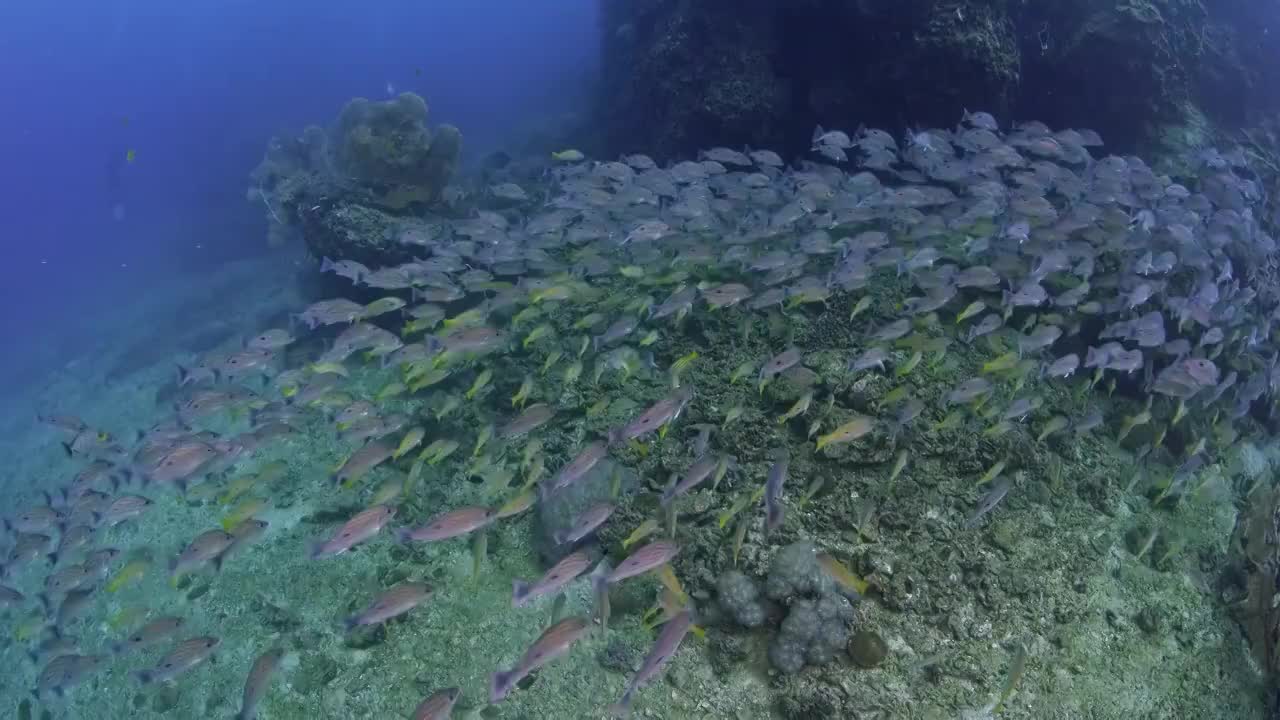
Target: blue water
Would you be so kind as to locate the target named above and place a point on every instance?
(196, 90)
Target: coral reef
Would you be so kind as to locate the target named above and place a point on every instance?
(740, 597)
(348, 190)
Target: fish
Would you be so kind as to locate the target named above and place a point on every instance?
(779, 364)
(968, 391)
(659, 415)
(534, 417)
(649, 557)
(206, 548)
(184, 657)
(360, 462)
(451, 524)
(851, 430)
(664, 648)
(989, 501)
(393, 603)
(843, 576)
(363, 526)
(242, 512)
(409, 442)
(132, 571)
(553, 643)
(584, 523)
(437, 706)
(774, 510)
(699, 471)
(65, 672)
(577, 468)
(258, 682)
(561, 574)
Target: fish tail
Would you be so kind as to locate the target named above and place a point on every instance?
(519, 592)
(315, 550)
(622, 708)
(500, 685)
(600, 577)
(404, 536)
(326, 264)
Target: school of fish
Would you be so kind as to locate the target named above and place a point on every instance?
(1057, 264)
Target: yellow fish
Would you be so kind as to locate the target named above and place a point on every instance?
(133, 570)
(411, 440)
(390, 390)
(522, 395)
(992, 473)
(860, 307)
(667, 577)
(130, 155)
(598, 408)
(800, 407)
(1007, 361)
(551, 360)
(481, 381)
(518, 504)
(543, 330)
(236, 488)
(974, 308)
(486, 432)
(646, 528)
(322, 368)
(388, 491)
(852, 430)
(683, 363)
(242, 512)
(568, 156)
(843, 576)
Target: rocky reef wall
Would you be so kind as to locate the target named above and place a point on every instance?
(679, 75)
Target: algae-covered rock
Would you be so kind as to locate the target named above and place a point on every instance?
(388, 143)
(867, 649)
(346, 190)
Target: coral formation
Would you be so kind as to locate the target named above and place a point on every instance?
(817, 624)
(346, 190)
(813, 632)
(740, 597)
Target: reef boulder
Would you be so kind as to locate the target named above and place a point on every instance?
(349, 189)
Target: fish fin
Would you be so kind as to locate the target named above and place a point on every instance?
(53, 559)
(326, 264)
(145, 677)
(66, 447)
(315, 550)
(217, 562)
(519, 593)
(559, 537)
(500, 684)
(45, 602)
(817, 133)
(600, 577)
